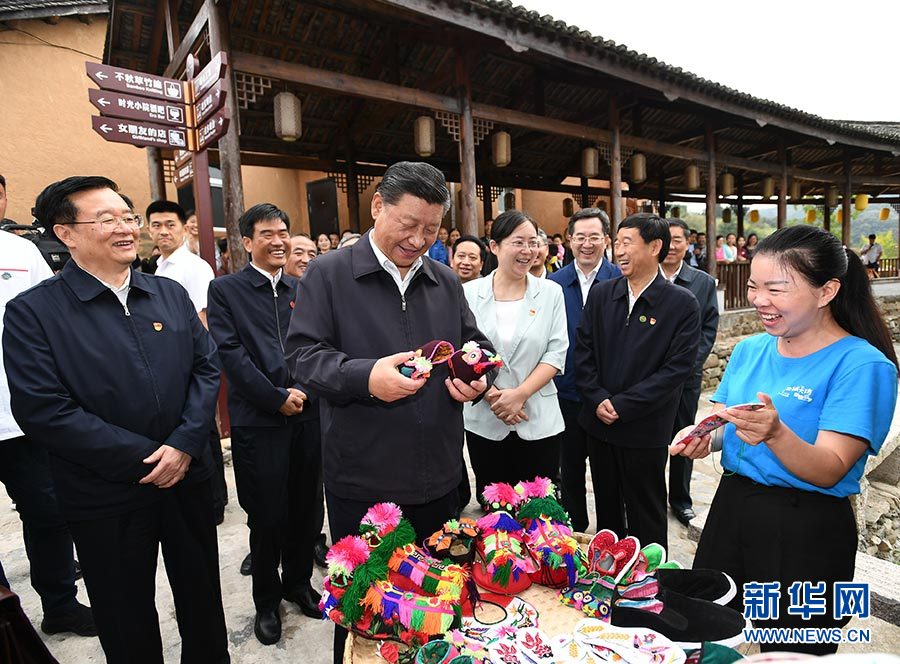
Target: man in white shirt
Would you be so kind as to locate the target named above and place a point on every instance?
(166, 223)
(25, 470)
(871, 254)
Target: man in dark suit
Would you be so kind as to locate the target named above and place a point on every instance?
(364, 310)
(703, 287)
(115, 376)
(636, 346)
(588, 233)
(276, 450)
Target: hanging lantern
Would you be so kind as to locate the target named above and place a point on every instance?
(754, 216)
(768, 187)
(726, 215)
(676, 212)
(795, 190)
(831, 196)
(861, 202)
(509, 201)
(727, 185)
(568, 207)
(885, 214)
(590, 162)
(288, 125)
(811, 216)
(638, 168)
(692, 177)
(502, 149)
(424, 135)
(840, 215)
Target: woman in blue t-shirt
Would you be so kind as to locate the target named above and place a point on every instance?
(826, 373)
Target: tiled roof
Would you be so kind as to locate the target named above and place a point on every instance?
(27, 9)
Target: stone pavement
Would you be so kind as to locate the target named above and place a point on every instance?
(305, 640)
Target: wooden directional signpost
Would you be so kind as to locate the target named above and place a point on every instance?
(145, 110)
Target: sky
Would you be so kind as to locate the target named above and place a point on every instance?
(838, 60)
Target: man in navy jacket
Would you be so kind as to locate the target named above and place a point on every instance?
(113, 373)
(276, 450)
(588, 233)
(703, 287)
(637, 343)
(361, 313)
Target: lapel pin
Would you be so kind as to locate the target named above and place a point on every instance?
(292, 304)
(653, 321)
(643, 319)
(532, 312)
(158, 327)
(7, 276)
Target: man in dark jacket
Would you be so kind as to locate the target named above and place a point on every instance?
(113, 373)
(361, 312)
(703, 286)
(637, 343)
(276, 452)
(588, 233)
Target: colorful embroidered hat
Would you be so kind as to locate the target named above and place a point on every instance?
(505, 561)
(380, 585)
(455, 541)
(427, 357)
(471, 362)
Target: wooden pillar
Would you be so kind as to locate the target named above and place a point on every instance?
(468, 210)
(740, 205)
(711, 202)
(585, 194)
(663, 208)
(229, 144)
(615, 169)
(353, 196)
(487, 204)
(157, 178)
(845, 203)
(782, 189)
(826, 209)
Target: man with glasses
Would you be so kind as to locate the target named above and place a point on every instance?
(112, 372)
(587, 232)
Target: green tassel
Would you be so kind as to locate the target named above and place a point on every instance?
(457, 616)
(502, 574)
(417, 620)
(536, 507)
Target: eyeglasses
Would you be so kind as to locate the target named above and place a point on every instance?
(593, 239)
(111, 222)
(521, 244)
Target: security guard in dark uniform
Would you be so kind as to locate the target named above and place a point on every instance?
(275, 439)
(112, 372)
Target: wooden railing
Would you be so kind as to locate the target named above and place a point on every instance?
(733, 277)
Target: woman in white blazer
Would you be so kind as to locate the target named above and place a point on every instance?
(513, 433)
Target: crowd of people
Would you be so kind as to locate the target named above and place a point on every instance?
(109, 406)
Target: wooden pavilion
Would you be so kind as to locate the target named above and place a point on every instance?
(365, 70)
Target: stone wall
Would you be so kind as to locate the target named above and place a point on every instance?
(735, 326)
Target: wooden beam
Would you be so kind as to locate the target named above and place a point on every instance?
(615, 168)
(711, 201)
(352, 190)
(176, 63)
(661, 206)
(156, 37)
(574, 52)
(334, 82)
(468, 209)
(229, 144)
(740, 204)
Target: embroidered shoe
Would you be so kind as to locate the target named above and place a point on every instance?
(610, 556)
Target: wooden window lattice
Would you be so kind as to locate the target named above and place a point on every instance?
(363, 182)
(450, 121)
(606, 153)
(495, 192)
(249, 87)
(168, 170)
